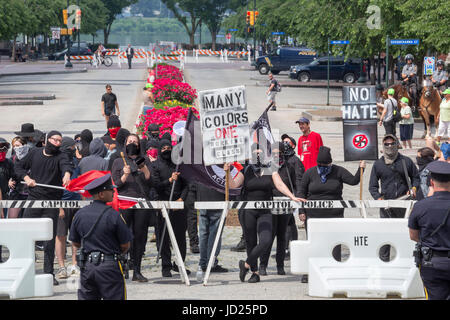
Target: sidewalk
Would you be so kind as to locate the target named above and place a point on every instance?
(8, 68)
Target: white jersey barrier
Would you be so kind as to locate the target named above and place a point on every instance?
(364, 274)
(18, 277)
(287, 204)
(10, 231)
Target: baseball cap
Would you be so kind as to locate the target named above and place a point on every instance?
(405, 100)
(447, 91)
(302, 120)
(391, 91)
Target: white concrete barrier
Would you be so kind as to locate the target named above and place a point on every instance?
(18, 277)
(364, 274)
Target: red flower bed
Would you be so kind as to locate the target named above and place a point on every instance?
(169, 72)
(170, 89)
(165, 118)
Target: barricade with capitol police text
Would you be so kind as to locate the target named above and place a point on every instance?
(17, 274)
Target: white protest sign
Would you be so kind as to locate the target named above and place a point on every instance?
(224, 124)
(56, 33)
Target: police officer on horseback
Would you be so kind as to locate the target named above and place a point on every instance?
(409, 76)
(440, 77)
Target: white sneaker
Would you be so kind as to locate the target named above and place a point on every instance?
(74, 270)
(199, 274)
(62, 273)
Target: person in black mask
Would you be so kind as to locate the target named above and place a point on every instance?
(86, 139)
(291, 170)
(45, 165)
(152, 134)
(132, 180)
(424, 157)
(258, 182)
(121, 137)
(163, 177)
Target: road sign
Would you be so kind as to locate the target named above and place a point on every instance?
(56, 32)
(404, 42)
(224, 123)
(277, 33)
(220, 36)
(228, 36)
(339, 42)
(428, 65)
(233, 29)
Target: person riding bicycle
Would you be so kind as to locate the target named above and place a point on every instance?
(409, 76)
(101, 50)
(440, 77)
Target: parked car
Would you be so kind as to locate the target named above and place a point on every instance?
(84, 51)
(281, 59)
(340, 69)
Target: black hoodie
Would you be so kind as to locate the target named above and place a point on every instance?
(121, 138)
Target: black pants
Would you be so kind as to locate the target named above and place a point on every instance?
(49, 246)
(192, 218)
(291, 231)
(385, 251)
(436, 279)
(279, 227)
(102, 281)
(178, 220)
(137, 220)
(129, 62)
(241, 214)
(258, 224)
(390, 127)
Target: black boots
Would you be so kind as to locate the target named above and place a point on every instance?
(137, 275)
(240, 246)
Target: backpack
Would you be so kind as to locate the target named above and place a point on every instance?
(424, 181)
(396, 115)
(278, 86)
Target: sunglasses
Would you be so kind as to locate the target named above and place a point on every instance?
(389, 144)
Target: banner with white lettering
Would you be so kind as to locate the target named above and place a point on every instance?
(224, 124)
(359, 115)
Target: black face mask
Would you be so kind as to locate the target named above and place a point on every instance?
(166, 155)
(423, 161)
(132, 150)
(287, 149)
(51, 149)
(154, 135)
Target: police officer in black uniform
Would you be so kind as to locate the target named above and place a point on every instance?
(429, 226)
(103, 235)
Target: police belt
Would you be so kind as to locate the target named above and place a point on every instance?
(103, 257)
(445, 254)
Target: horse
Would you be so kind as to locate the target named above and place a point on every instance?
(429, 103)
(400, 92)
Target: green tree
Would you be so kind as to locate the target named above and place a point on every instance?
(113, 8)
(184, 9)
(213, 15)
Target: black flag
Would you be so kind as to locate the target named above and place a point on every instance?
(261, 134)
(192, 166)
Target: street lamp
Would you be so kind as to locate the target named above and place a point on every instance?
(68, 63)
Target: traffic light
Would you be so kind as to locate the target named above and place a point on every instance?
(65, 16)
(256, 15)
(252, 18)
(249, 13)
(78, 19)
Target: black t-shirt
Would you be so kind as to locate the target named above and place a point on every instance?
(111, 231)
(275, 83)
(258, 187)
(110, 102)
(46, 170)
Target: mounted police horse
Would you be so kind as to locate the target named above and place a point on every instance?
(429, 103)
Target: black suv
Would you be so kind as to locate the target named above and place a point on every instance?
(348, 70)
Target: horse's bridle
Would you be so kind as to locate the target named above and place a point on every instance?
(431, 100)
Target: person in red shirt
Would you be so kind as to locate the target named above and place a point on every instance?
(308, 144)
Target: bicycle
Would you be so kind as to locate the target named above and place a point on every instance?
(99, 60)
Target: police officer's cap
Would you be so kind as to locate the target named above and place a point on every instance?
(100, 184)
(440, 171)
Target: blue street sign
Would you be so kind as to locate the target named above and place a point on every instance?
(233, 29)
(403, 42)
(277, 33)
(339, 42)
(220, 36)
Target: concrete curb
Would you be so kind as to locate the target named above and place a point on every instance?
(317, 107)
(312, 117)
(21, 102)
(27, 97)
(41, 73)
